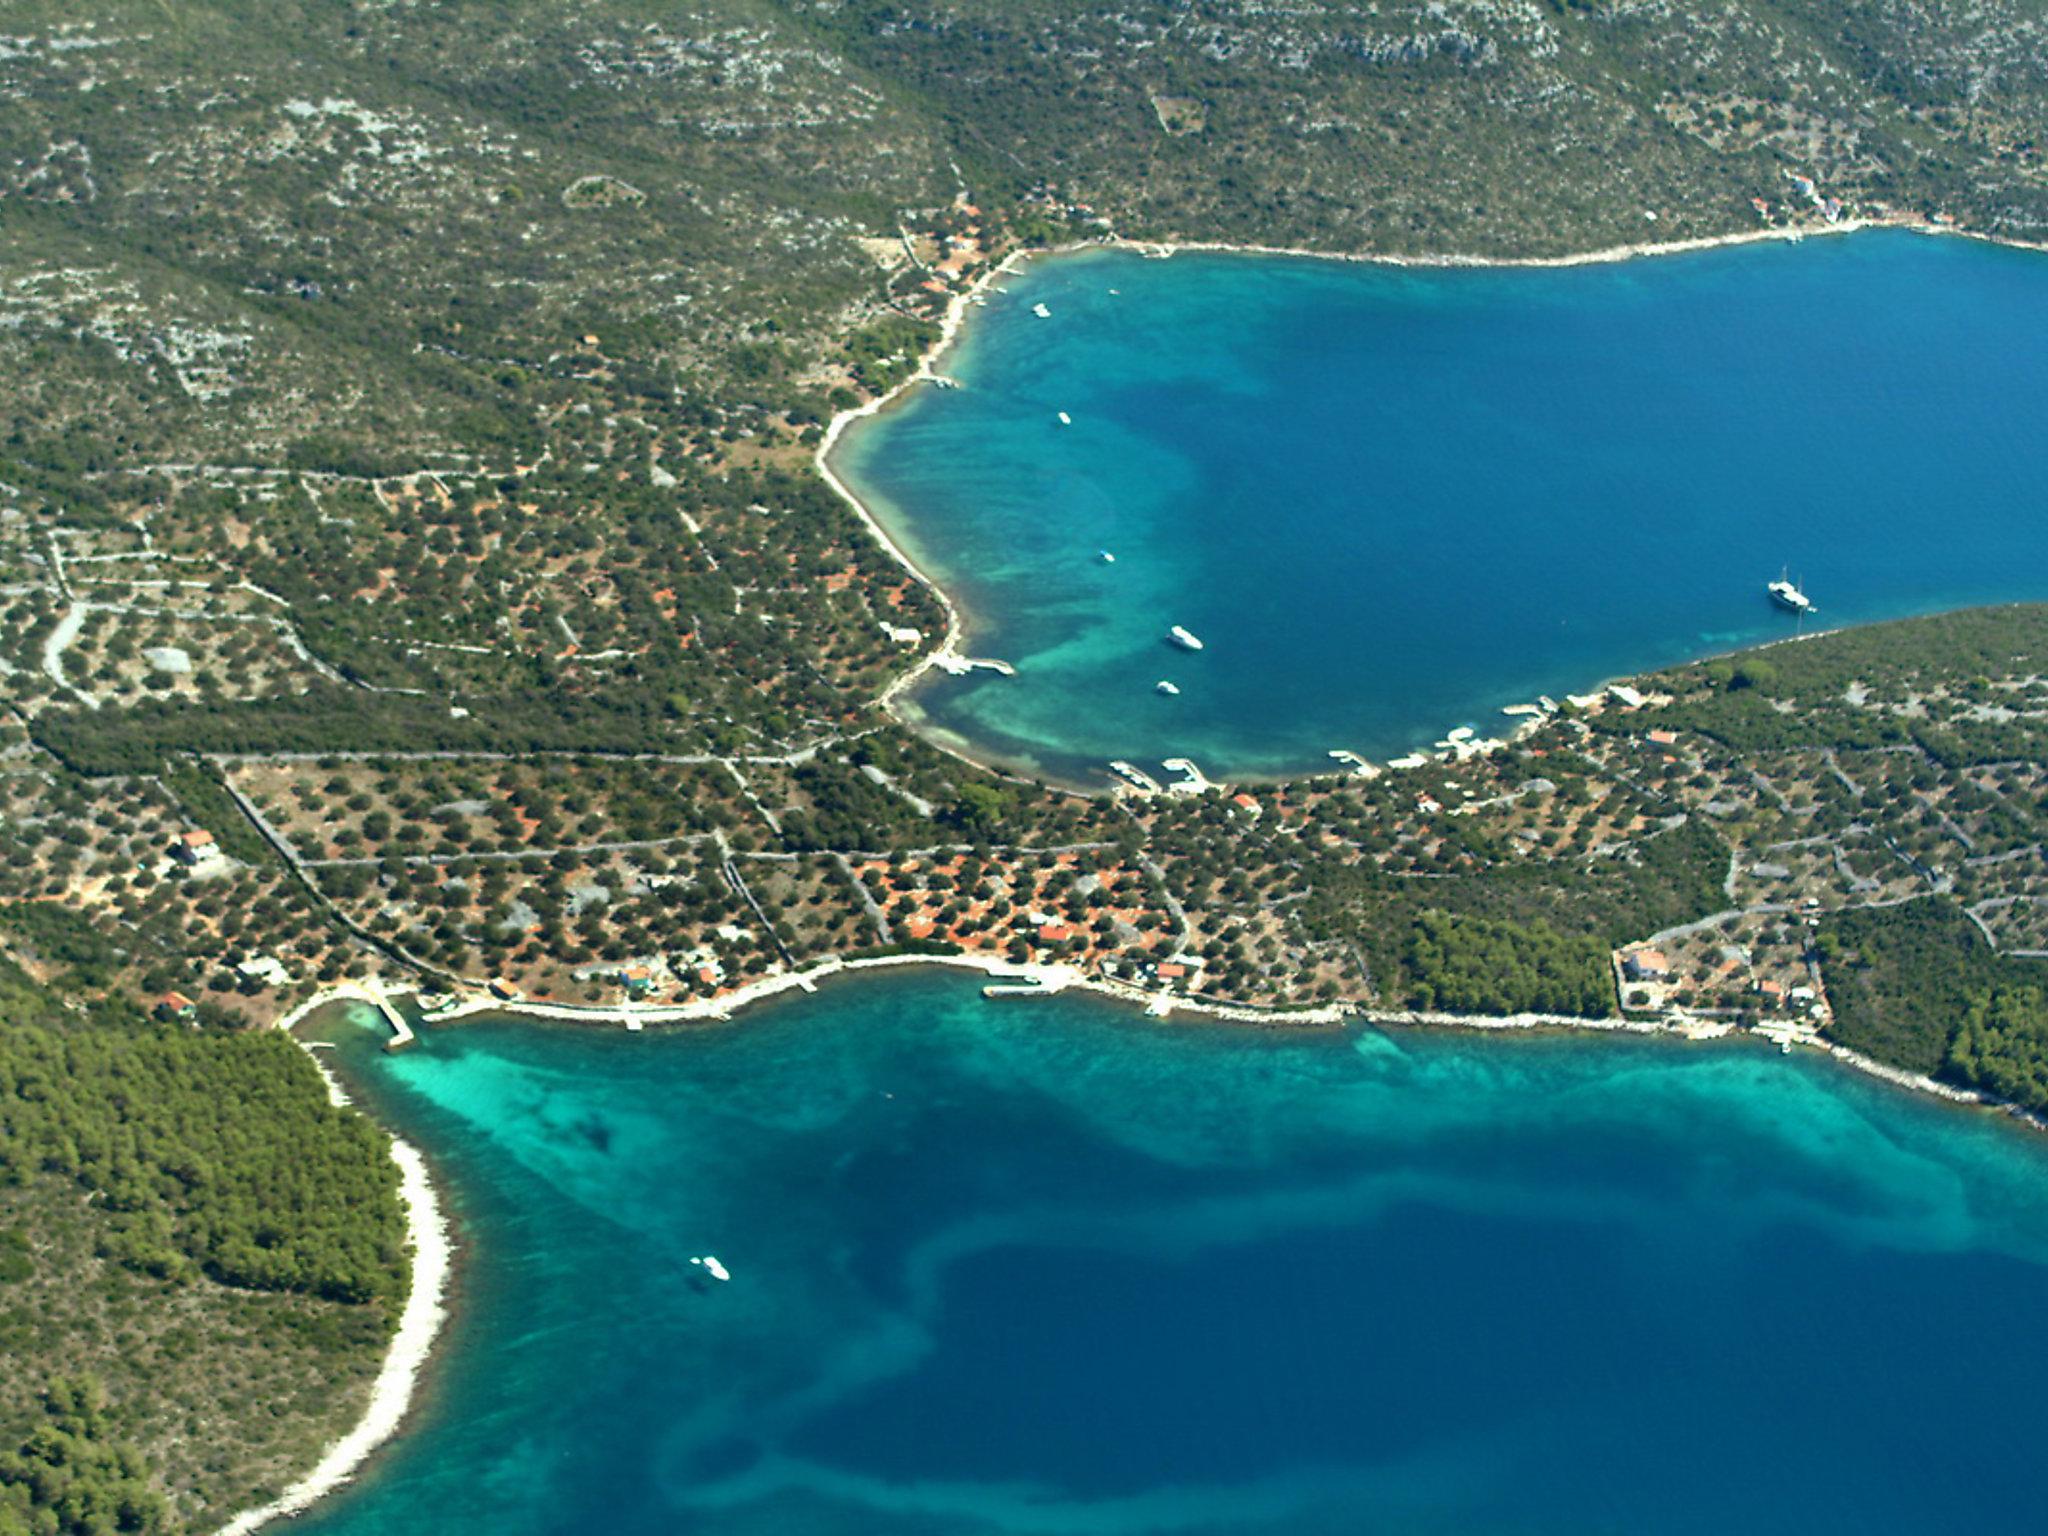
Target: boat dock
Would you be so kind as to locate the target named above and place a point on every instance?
(1361, 768)
(1137, 778)
(401, 1032)
(1193, 783)
(959, 666)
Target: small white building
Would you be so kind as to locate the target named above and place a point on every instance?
(267, 969)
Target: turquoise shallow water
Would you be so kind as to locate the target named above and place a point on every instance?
(1391, 501)
(1043, 1268)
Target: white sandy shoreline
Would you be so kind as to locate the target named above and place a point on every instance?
(419, 1323)
(1031, 979)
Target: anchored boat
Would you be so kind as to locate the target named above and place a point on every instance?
(1786, 594)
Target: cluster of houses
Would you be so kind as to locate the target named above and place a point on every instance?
(702, 966)
(1652, 968)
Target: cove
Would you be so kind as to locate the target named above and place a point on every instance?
(1045, 1268)
(1392, 500)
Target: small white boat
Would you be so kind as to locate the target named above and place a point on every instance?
(1107, 557)
(1185, 639)
(1065, 419)
(1167, 688)
(1041, 311)
(712, 1267)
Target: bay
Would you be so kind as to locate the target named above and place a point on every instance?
(1047, 1268)
(1392, 500)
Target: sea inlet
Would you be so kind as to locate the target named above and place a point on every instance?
(1047, 1267)
(1392, 500)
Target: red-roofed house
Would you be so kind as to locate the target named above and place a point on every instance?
(178, 1007)
(195, 847)
(1645, 965)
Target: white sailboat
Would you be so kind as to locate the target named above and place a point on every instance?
(1786, 594)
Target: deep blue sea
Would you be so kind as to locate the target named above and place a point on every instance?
(1046, 1268)
(1391, 501)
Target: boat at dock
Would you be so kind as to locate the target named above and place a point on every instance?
(1163, 686)
(1186, 639)
(1786, 594)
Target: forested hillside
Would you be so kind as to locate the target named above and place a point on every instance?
(200, 1259)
